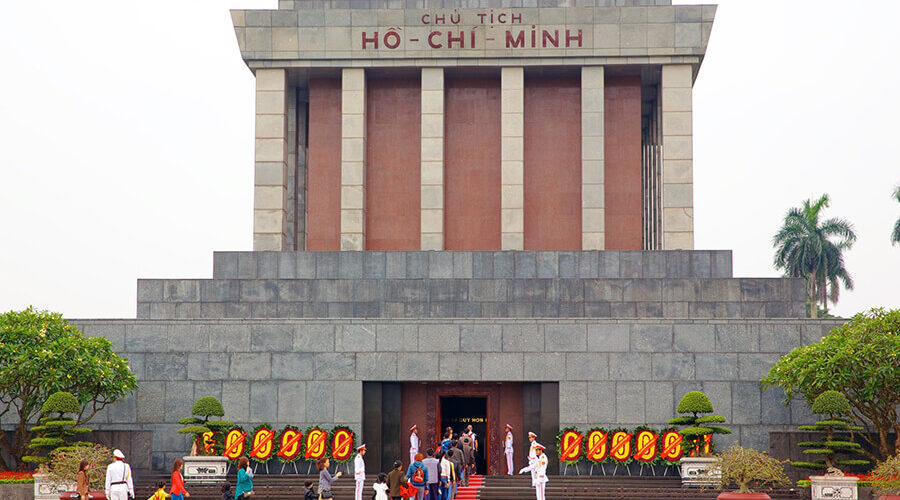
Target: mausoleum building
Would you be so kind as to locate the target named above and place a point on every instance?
(465, 211)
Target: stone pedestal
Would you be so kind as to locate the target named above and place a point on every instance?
(47, 489)
(831, 487)
(700, 471)
(205, 470)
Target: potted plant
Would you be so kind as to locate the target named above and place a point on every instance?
(886, 478)
(205, 464)
(835, 428)
(55, 432)
(749, 469)
(698, 465)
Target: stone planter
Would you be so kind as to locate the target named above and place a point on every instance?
(700, 471)
(743, 496)
(831, 487)
(889, 497)
(46, 489)
(17, 491)
(205, 470)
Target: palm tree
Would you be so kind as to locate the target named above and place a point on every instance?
(895, 236)
(809, 248)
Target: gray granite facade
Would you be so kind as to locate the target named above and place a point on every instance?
(294, 371)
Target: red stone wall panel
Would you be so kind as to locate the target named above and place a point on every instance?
(552, 163)
(393, 171)
(622, 174)
(323, 217)
(472, 164)
(414, 398)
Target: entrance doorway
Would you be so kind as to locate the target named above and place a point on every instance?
(458, 412)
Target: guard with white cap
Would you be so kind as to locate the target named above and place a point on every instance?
(118, 478)
(508, 450)
(413, 443)
(538, 471)
(359, 470)
(532, 454)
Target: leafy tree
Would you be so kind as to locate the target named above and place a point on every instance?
(40, 354)
(806, 247)
(861, 360)
(885, 476)
(199, 424)
(56, 429)
(64, 463)
(692, 406)
(835, 408)
(895, 236)
(744, 467)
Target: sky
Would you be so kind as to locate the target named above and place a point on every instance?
(126, 142)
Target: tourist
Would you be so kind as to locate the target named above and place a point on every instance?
(395, 480)
(474, 437)
(454, 455)
(226, 491)
(159, 494)
(177, 491)
(463, 458)
(434, 475)
(445, 444)
(538, 471)
(381, 487)
(82, 481)
(243, 490)
(118, 478)
(417, 474)
(413, 442)
(508, 450)
(359, 470)
(446, 475)
(325, 478)
(308, 492)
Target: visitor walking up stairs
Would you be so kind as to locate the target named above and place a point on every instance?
(470, 492)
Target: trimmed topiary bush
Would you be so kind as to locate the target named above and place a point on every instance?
(55, 429)
(697, 424)
(836, 427)
(199, 424)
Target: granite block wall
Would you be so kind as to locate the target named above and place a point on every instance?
(303, 372)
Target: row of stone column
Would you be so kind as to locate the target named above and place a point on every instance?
(271, 200)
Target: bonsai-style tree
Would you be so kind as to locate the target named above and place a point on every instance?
(859, 360)
(835, 408)
(199, 423)
(695, 406)
(56, 429)
(886, 476)
(42, 353)
(747, 469)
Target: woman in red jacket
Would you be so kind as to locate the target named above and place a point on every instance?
(178, 492)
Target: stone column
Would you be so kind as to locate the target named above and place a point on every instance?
(677, 174)
(593, 215)
(432, 202)
(512, 155)
(270, 224)
(353, 154)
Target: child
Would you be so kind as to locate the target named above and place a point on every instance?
(310, 493)
(381, 487)
(226, 491)
(160, 492)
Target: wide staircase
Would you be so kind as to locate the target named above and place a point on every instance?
(290, 487)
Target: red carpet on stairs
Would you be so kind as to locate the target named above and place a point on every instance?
(470, 492)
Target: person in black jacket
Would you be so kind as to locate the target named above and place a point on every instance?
(310, 493)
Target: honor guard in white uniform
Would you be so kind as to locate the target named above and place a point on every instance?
(413, 443)
(538, 471)
(508, 450)
(532, 453)
(359, 470)
(118, 478)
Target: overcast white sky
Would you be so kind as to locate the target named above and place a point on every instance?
(126, 142)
